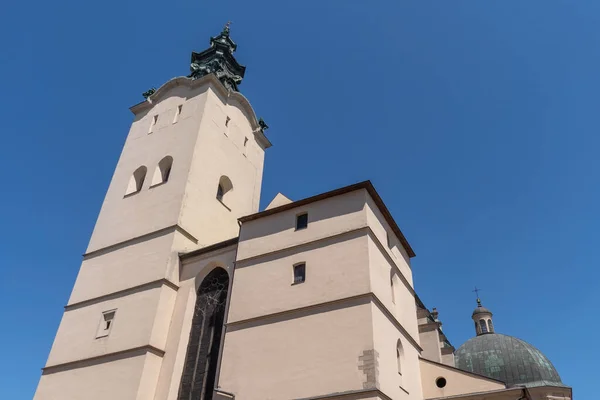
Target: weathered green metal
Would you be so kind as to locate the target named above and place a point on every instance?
(218, 59)
(149, 92)
(263, 125)
(507, 359)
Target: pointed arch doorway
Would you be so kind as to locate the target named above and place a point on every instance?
(200, 368)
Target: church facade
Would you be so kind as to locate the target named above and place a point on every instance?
(188, 292)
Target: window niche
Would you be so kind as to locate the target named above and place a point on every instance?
(224, 189)
(399, 356)
(162, 171)
(106, 323)
(177, 113)
(136, 181)
(153, 123)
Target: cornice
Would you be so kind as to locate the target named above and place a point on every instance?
(133, 352)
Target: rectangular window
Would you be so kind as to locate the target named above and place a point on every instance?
(153, 123)
(299, 273)
(301, 221)
(106, 323)
(177, 113)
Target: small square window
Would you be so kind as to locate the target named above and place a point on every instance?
(301, 221)
(106, 323)
(299, 273)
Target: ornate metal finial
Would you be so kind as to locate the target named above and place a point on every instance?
(149, 92)
(226, 28)
(263, 125)
(476, 291)
(218, 59)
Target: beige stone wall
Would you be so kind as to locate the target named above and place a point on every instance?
(326, 218)
(403, 306)
(406, 385)
(336, 268)
(382, 230)
(220, 151)
(457, 382)
(430, 342)
(304, 340)
(134, 326)
(152, 208)
(117, 379)
(117, 270)
(314, 352)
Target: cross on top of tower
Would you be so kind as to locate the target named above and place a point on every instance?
(476, 291)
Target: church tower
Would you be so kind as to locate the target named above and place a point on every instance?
(483, 319)
(191, 165)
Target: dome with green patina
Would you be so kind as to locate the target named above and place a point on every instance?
(507, 359)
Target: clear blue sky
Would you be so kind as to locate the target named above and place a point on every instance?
(477, 121)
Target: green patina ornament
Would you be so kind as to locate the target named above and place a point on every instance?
(263, 125)
(149, 93)
(218, 59)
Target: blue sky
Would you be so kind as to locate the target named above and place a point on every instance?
(477, 121)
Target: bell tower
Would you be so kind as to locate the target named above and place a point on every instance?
(191, 165)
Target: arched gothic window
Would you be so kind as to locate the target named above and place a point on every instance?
(162, 171)
(200, 368)
(490, 326)
(483, 326)
(137, 180)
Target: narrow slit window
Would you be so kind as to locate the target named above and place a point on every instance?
(106, 323)
(399, 356)
(177, 113)
(299, 273)
(153, 123)
(393, 289)
(301, 221)
(227, 121)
